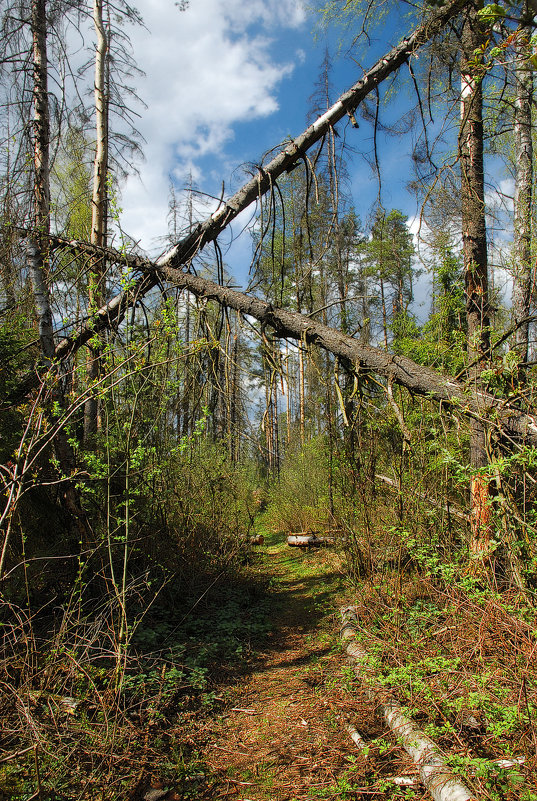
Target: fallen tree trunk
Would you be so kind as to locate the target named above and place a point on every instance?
(417, 378)
(264, 179)
(399, 369)
(432, 502)
(296, 149)
(434, 773)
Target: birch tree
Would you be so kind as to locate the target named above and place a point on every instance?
(523, 154)
(38, 246)
(97, 276)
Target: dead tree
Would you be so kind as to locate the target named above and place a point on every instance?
(170, 268)
(205, 232)
(474, 242)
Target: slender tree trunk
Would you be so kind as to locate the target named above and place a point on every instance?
(384, 315)
(235, 396)
(228, 390)
(8, 237)
(267, 417)
(38, 251)
(523, 189)
(186, 415)
(288, 396)
(475, 263)
(39, 243)
(301, 393)
(97, 276)
(275, 422)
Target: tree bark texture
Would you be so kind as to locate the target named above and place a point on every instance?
(474, 242)
(523, 146)
(39, 240)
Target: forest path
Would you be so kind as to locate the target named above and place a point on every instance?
(283, 735)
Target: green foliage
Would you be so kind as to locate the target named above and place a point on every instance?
(16, 356)
(353, 18)
(299, 499)
(441, 341)
(491, 13)
(70, 185)
(389, 255)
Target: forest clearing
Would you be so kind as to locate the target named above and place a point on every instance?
(270, 537)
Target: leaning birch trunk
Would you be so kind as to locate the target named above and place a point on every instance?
(434, 773)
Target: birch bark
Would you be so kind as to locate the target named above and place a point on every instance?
(523, 189)
(97, 275)
(39, 241)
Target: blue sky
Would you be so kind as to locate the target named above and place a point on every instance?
(227, 81)
(222, 88)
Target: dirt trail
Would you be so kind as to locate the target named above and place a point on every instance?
(283, 738)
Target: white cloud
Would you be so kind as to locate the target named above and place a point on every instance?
(500, 197)
(206, 69)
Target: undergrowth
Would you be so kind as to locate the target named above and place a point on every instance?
(96, 734)
(462, 664)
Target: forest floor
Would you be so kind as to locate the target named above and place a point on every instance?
(284, 736)
(238, 688)
(276, 727)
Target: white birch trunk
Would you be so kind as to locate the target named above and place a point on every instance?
(98, 209)
(39, 241)
(523, 189)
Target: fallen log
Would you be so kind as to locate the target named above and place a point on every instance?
(355, 736)
(417, 378)
(434, 772)
(261, 182)
(170, 268)
(308, 541)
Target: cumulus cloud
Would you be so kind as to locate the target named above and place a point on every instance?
(207, 69)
